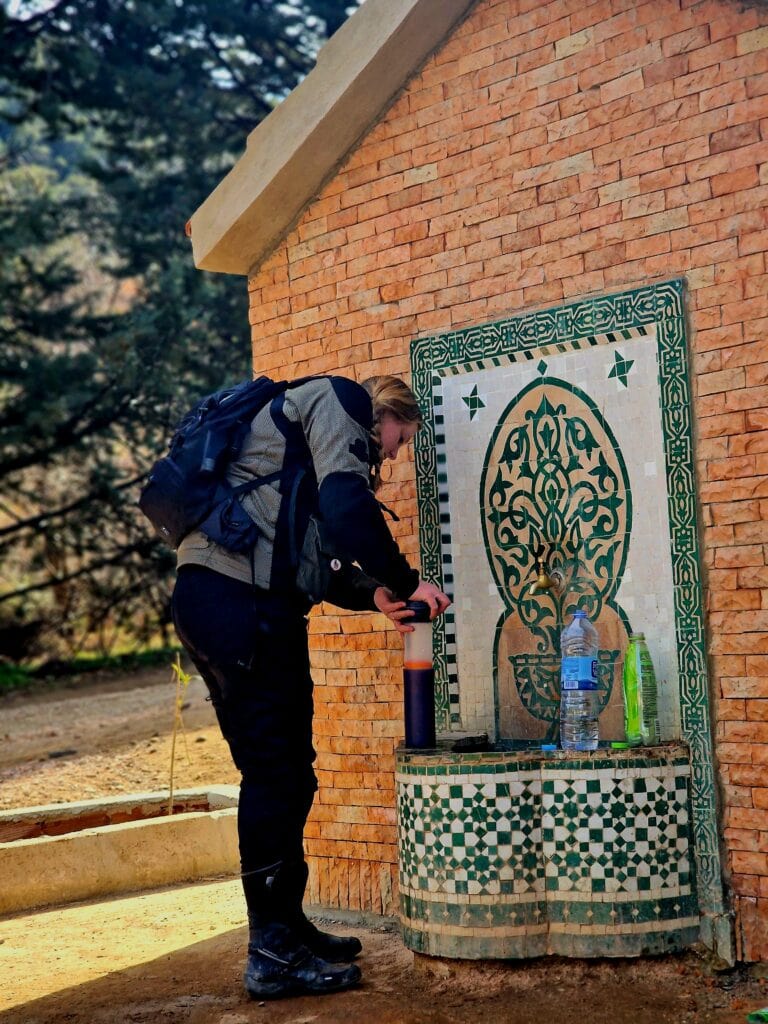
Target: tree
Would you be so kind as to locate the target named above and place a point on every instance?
(117, 119)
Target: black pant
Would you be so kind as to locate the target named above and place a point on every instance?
(250, 647)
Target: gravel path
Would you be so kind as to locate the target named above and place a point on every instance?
(109, 737)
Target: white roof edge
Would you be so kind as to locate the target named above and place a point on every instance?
(295, 150)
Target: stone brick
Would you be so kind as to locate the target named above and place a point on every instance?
(736, 181)
(754, 443)
(745, 686)
(665, 70)
(724, 380)
(715, 53)
(732, 468)
(752, 929)
(754, 242)
(746, 862)
(734, 138)
(750, 42)
(757, 711)
(652, 246)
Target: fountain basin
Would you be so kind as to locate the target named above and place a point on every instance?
(512, 854)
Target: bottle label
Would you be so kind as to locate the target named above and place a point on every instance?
(578, 673)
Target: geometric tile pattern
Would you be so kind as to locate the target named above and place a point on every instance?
(432, 458)
(605, 319)
(477, 836)
(503, 857)
(617, 832)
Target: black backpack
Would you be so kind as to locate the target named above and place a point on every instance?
(187, 490)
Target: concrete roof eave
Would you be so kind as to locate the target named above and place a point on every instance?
(293, 152)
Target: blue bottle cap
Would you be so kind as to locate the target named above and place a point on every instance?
(549, 746)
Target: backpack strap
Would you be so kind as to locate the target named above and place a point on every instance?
(384, 508)
(296, 466)
(251, 485)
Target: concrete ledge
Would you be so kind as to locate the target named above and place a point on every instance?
(295, 150)
(103, 847)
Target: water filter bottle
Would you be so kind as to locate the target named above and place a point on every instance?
(419, 680)
(579, 708)
(640, 693)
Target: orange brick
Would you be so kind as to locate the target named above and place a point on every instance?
(752, 929)
(754, 242)
(724, 380)
(745, 885)
(665, 70)
(745, 686)
(757, 711)
(750, 863)
(715, 53)
(734, 138)
(753, 443)
(736, 181)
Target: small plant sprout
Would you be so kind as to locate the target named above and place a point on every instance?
(183, 680)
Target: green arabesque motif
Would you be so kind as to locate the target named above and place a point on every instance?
(548, 487)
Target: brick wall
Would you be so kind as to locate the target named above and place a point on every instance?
(550, 150)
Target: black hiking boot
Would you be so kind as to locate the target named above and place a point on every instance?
(335, 949)
(280, 965)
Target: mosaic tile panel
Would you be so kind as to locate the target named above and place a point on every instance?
(517, 858)
(554, 469)
(488, 843)
(454, 376)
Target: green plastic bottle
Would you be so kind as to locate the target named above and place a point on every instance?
(640, 697)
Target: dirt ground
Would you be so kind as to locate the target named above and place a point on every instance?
(176, 955)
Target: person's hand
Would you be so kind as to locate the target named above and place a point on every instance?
(434, 597)
(395, 610)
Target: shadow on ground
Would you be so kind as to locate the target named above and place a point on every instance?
(175, 956)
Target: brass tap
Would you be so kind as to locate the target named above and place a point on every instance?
(545, 580)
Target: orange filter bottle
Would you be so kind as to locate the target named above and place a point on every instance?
(419, 680)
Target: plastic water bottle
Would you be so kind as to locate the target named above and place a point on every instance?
(579, 707)
(641, 717)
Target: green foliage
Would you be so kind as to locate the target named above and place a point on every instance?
(84, 664)
(117, 119)
(13, 677)
(19, 677)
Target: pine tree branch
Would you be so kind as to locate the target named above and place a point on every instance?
(65, 436)
(45, 517)
(142, 548)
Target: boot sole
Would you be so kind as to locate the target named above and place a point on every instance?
(292, 987)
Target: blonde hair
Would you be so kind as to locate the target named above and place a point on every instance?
(390, 395)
